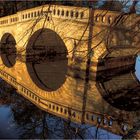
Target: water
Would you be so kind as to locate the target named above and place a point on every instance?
(21, 119)
(137, 67)
(8, 127)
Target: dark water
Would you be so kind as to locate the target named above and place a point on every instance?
(21, 119)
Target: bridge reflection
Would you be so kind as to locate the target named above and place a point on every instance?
(31, 122)
(112, 101)
(102, 114)
(122, 91)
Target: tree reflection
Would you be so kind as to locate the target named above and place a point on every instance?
(6, 94)
(32, 122)
(121, 91)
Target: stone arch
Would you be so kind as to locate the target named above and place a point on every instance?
(8, 50)
(46, 59)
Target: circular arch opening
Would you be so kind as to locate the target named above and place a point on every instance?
(8, 50)
(46, 59)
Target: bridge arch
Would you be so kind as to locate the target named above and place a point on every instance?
(46, 59)
(8, 50)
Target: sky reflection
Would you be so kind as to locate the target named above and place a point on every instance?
(137, 67)
(8, 129)
(21, 119)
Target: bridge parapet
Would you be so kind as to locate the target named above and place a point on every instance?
(8, 20)
(101, 17)
(63, 12)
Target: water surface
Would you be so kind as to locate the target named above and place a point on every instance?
(21, 119)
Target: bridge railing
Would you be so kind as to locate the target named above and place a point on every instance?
(9, 20)
(61, 12)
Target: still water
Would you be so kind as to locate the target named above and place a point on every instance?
(19, 118)
(137, 67)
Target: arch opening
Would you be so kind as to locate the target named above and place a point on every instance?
(8, 50)
(46, 59)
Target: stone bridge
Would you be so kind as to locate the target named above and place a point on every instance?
(68, 60)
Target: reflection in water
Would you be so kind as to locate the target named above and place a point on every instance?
(30, 122)
(7, 126)
(47, 59)
(137, 67)
(123, 90)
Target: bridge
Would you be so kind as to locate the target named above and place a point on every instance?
(69, 60)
